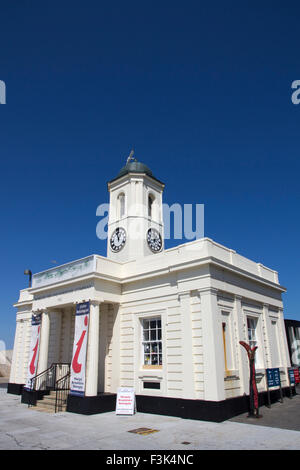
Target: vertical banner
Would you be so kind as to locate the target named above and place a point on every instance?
(34, 349)
(79, 349)
(296, 375)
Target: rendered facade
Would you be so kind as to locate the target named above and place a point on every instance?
(165, 322)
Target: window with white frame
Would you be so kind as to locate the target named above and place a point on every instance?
(227, 341)
(121, 205)
(252, 338)
(152, 342)
(151, 199)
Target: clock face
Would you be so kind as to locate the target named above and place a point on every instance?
(118, 239)
(154, 240)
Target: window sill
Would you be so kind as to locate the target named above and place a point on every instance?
(231, 375)
(153, 367)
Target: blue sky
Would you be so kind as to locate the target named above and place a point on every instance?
(201, 90)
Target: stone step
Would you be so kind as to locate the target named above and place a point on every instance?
(49, 407)
(44, 409)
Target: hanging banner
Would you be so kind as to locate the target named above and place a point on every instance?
(34, 349)
(77, 385)
(297, 375)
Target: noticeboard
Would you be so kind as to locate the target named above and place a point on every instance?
(292, 376)
(273, 377)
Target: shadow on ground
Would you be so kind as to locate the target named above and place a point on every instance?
(284, 415)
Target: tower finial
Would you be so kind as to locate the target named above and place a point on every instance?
(130, 158)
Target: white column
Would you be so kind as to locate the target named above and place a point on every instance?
(213, 350)
(44, 342)
(12, 378)
(242, 358)
(283, 341)
(91, 379)
(56, 316)
(115, 381)
(187, 345)
(266, 324)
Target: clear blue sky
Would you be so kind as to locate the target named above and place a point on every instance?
(201, 90)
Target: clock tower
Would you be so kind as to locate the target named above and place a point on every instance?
(135, 225)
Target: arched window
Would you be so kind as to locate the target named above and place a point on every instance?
(121, 205)
(151, 199)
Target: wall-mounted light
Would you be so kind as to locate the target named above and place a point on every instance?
(28, 273)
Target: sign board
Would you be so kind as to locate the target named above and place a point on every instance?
(125, 404)
(292, 376)
(297, 375)
(77, 385)
(273, 377)
(34, 349)
(65, 272)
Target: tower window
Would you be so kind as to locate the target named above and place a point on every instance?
(150, 205)
(121, 205)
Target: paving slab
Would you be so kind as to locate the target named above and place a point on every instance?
(284, 415)
(25, 428)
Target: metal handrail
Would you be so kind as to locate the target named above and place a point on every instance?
(46, 372)
(61, 392)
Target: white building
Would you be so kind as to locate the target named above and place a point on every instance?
(166, 322)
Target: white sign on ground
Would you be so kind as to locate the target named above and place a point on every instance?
(125, 401)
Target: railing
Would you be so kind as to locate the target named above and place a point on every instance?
(62, 388)
(47, 379)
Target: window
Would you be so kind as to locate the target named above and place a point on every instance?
(224, 345)
(152, 385)
(152, 343)
(229, 361)
(252, 323)
(121, 205)
(150, 205)
(275, 349)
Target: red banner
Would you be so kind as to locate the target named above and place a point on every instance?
(297, 376)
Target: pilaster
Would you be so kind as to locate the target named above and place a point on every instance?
(242, 358)
(91, 380)
(213, 351)
(187, 345)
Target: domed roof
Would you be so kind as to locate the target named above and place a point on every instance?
(133, 166)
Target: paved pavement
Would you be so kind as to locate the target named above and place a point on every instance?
(284, 415)
(25, 428)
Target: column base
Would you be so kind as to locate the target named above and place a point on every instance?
(101, 403)
(15, 389)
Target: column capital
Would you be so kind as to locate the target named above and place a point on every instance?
(184, 295)
(96, 302)
(238, 297)
(208, 290)
(91, 301)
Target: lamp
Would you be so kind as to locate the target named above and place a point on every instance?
(28, 273)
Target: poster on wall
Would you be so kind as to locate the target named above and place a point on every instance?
(77, 386)
(34, 349)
